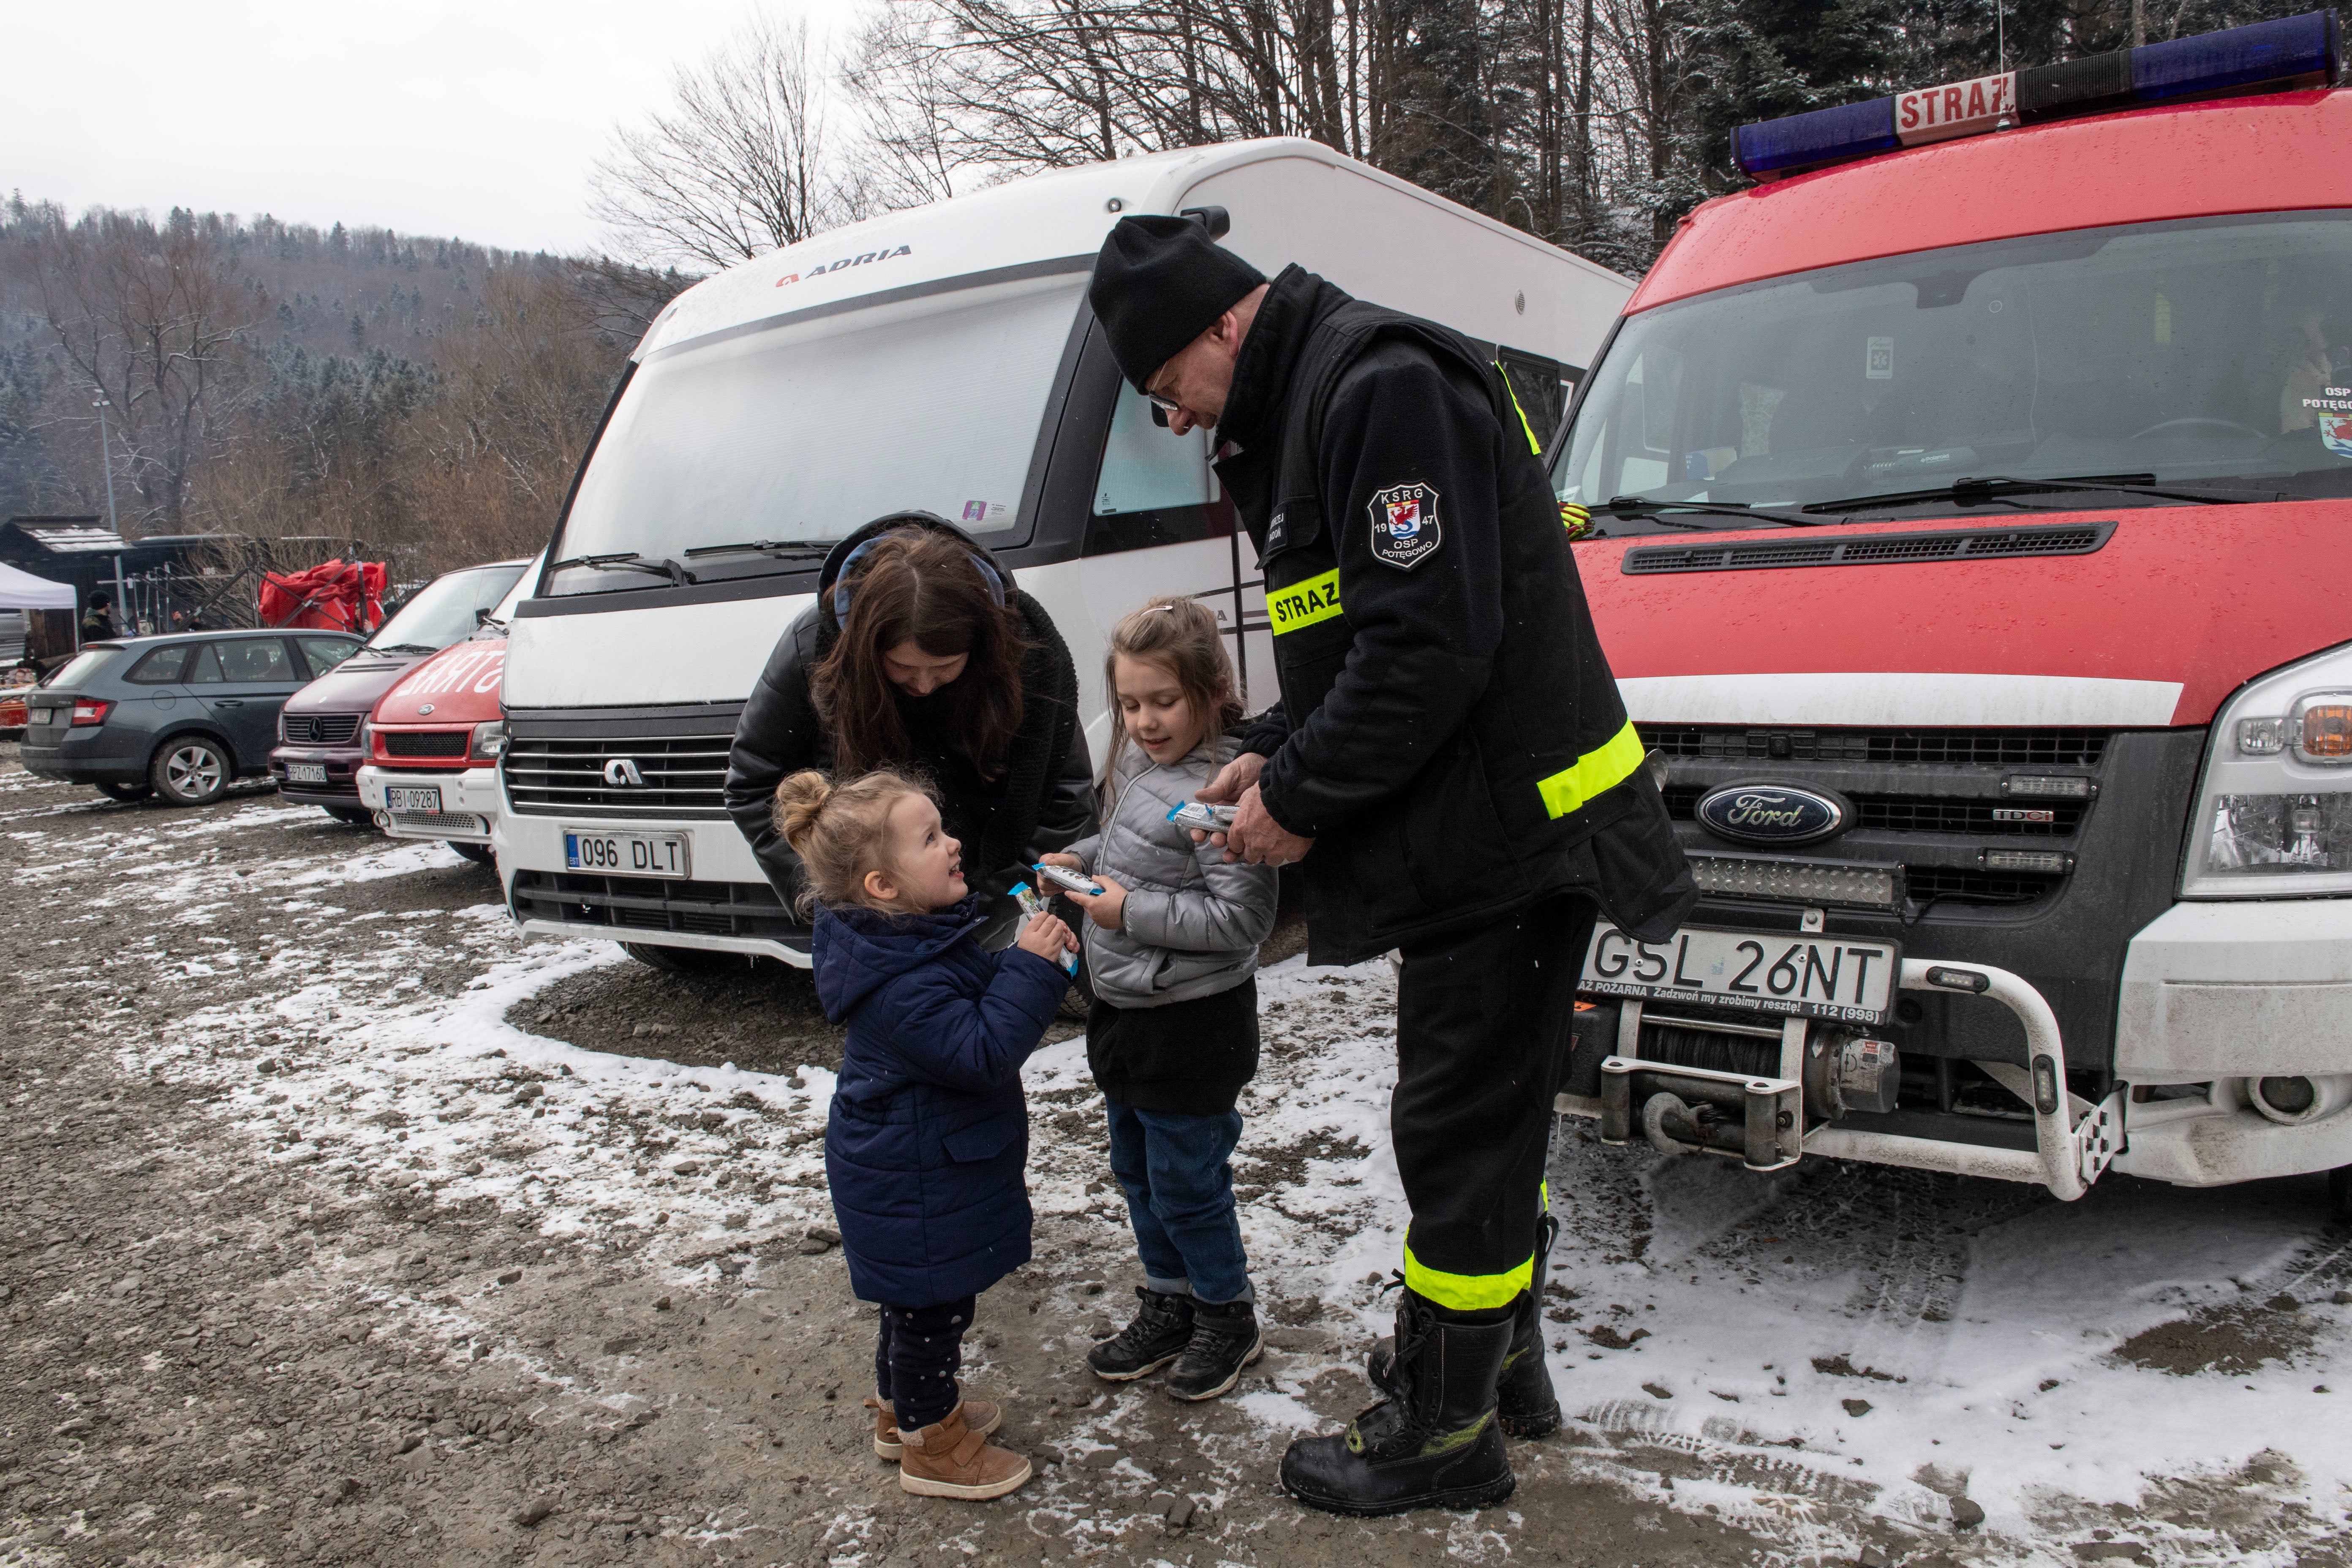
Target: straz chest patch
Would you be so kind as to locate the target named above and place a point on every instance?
(1404, 525)
(1304, 603)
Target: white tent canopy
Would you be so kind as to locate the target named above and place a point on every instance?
(22, 591)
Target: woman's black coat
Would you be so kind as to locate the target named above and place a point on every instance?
(1049, 799)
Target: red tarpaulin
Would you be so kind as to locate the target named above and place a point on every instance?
(338, 596)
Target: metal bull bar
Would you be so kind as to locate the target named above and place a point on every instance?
(1761, 1121)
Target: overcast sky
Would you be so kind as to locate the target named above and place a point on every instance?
(472, 118)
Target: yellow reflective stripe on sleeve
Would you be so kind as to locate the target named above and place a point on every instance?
(1467, 1292)
(1594, 773)
(1533, 445)
(1302, 604)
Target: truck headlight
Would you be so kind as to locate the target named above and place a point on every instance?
(2273, 814)
(490, 740)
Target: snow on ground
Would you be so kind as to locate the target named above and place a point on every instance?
(1842, 1340)
(1830, 1344)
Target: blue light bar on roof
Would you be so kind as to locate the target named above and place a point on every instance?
(2296, 51)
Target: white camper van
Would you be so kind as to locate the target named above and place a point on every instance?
(941, 359)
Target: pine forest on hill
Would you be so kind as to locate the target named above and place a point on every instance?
(434, 398)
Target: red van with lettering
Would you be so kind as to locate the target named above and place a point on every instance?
(430, 749)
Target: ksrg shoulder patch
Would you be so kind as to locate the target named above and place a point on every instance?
(1405, 530)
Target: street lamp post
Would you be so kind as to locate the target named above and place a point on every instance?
(106, 461)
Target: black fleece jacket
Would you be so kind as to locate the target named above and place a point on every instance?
(1043, 800)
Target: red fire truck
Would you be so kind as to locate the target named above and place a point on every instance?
(1971, 534)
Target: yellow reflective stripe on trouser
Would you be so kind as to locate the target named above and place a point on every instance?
(1467, 1292)
(1303, 602)
(1594, 772)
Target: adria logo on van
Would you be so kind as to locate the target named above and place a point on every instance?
(845, 261)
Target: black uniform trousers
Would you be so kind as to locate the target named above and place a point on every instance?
(1485, 1025)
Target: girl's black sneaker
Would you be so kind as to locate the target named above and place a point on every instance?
(1224, 1340)
(1161, 1329)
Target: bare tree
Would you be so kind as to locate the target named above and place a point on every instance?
(736, 167)
(149, 317)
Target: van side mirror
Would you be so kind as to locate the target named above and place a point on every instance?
(1217, 220)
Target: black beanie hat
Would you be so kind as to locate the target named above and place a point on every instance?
(1160, 282)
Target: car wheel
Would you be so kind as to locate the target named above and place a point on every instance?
(479, 853)
(357, 815)
(682, 960)
(191, 770)
(129, 794)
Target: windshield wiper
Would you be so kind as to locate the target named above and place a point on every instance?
(2000, 487)
(1634, 506)
(401, 647)
(630, 561)
(783, 549)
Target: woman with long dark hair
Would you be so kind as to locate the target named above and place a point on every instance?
(921, 654)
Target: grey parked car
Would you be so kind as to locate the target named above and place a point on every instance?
(177, 717)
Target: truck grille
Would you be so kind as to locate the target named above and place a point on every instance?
(1966, 748)
(1927, 814)
(1938, 829)
(425, 742)
(638, 904)
(652, 765)
(320, 729)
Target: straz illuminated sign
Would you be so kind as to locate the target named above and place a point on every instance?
(885, 254)
(1961, 109)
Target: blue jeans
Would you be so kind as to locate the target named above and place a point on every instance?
(1180, 1197)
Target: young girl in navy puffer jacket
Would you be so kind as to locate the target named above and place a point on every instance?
(928, 1133)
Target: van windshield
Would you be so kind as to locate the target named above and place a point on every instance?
(2207, 357)
(445, 610)
(804, 430)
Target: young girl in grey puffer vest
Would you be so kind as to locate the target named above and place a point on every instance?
(1172, 951)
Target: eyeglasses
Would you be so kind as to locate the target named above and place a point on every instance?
(1165, 404)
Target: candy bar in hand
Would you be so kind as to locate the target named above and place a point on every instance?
(1069, 880)
(1032, 906)
(1201, 816)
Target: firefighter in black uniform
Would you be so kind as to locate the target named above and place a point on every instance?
(1450, 765)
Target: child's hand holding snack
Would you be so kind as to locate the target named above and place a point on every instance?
(1048, 938)
(1107, 909)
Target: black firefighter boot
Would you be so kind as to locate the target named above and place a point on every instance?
(1431, 1444)
(1525, 1403)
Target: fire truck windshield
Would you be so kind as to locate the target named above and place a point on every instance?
(2203, 356)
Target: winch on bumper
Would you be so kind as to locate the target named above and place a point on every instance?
(1817, 1072)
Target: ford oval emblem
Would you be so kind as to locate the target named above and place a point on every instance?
(425, 708)
(1774, 814)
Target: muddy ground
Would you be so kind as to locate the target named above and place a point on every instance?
(339, 1225)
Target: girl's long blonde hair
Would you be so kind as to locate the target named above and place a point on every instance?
(1179, 635)
(840, 831)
